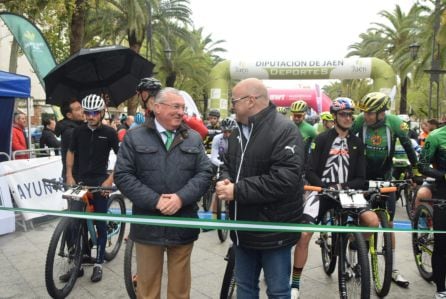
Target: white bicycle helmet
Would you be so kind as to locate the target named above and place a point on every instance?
(93, 102)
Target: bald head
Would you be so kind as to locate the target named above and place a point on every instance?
(250, 96)
(255, 87)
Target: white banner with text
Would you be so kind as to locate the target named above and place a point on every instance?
(24, 179)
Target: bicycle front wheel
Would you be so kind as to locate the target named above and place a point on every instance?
(408, 197)
(130, 276)
(353, 267)
(228, 287)
(207, 199)
(221, 214)
(63, 259)
(423, 243)
(115, 229)
(381, 257)
(327, 241)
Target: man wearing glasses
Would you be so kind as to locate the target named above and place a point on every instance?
(336, 161)
(90, 147)
(262, 180)
(163, 169)
(298, 111)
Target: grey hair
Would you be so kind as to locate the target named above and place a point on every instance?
(161, 95)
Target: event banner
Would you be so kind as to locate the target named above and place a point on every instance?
(32, 42)
(24, 178)
(7, 218)
(347, 68)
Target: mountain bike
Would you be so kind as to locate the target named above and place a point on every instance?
(348, 248)
(380, 245)
(74, 239)
(423, 242)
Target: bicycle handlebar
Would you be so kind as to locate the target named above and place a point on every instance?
(59, 185)
(320, 189)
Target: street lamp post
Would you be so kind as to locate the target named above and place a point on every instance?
(413, 50)
(435, 70)
(171, 75)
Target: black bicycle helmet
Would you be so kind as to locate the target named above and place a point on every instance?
(152, 85)
(214, 112)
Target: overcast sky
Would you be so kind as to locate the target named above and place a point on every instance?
(297, 29)
(289, 28)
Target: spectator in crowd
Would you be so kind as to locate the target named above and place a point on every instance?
(48, 138)
(73, 117)
(139, 120)
(19, 142)
(424, 133)
(126, 123)
(433, 124)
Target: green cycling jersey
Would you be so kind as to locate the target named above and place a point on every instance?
(308, 133)
(380, 142)
(434, 153)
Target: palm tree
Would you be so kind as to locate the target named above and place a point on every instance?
(158, 20)
(390, 41)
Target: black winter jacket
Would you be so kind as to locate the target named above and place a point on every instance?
(319, 154)
(269, 188)
(64, 129)
(145, 169)
(48, 139)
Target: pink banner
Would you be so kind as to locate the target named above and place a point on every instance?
(285, 97)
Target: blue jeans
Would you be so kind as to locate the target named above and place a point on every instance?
(276, 264)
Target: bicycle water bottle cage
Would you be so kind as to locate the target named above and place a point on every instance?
(351, 200)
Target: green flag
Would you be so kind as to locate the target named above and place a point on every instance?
(32, 42)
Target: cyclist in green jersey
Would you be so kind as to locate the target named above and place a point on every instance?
(379, 132)
(327, 121)
(433, 164)
(298, 111)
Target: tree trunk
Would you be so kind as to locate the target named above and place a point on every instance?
(403, 101)
(132, 105)
(170, 80)
(77, 26)
(14, 56)
(135, 45)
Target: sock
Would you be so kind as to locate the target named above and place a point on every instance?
(98, 265)
(214, 215)
(394, 260)
(295, 280)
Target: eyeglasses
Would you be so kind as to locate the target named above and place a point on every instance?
(345, 114)
(234, 101)
(92, 113)
(176, 107)
(298, 115)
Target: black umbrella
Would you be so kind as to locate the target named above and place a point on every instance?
(112, 72)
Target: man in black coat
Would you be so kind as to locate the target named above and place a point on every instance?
(73, 117)
(262, 180)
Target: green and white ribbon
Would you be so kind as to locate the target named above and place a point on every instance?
(216, 224)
